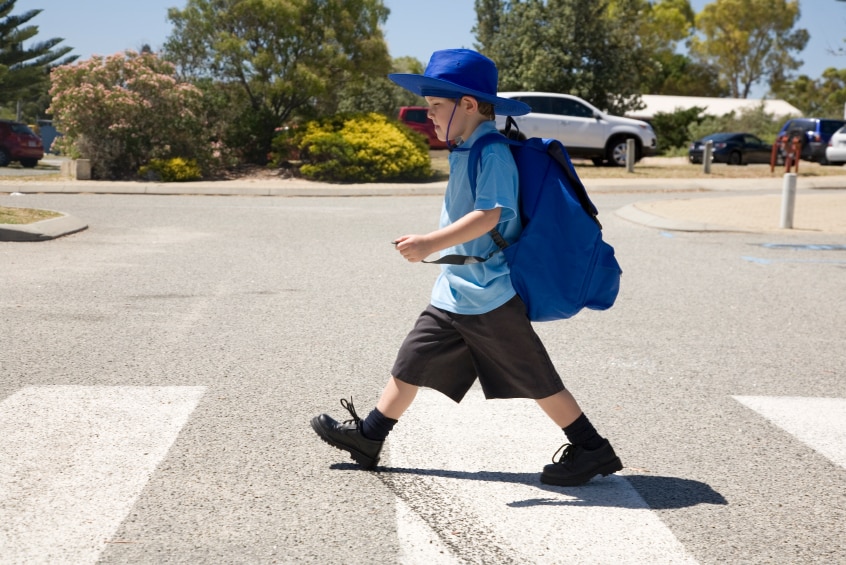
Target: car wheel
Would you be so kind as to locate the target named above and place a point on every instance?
(617, 152)
(735, 158)
(5, 159)
(29, 163)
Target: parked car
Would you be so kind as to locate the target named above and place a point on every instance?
(417, 118)
(835, 152)
(731, 148)
(814, 134)
(19, 143)
(584, 130)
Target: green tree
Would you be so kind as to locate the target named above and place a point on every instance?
(659, 29)
(679, 75)
(288, 57)
(749, 41)
(822, 98)
(608, 51)
(25, 70)
(589, 49)
(673, 128)
(379, 94)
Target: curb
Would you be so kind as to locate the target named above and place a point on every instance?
(42, 231)
(634, 214)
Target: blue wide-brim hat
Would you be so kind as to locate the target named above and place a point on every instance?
(453, 73)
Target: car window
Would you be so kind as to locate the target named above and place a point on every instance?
(828, 127)
(417, 116)
(557, 106)
(752, 140)
(717, 137)
(568, 107)
(795, 125)
(21, 128)
(538, 104)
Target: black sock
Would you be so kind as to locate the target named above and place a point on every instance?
(581, 432)
(377, 426)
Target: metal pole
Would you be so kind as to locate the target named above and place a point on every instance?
(706, 157)
(630, 154)
(788, 200)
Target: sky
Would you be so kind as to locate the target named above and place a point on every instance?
(416, 29)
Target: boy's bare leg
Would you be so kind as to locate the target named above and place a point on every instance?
(397, 396)
(561, 407)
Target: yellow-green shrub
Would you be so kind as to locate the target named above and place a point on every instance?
(362, 148)
(176, 169)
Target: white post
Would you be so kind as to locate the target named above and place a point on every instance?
(706, 157)
(630, 154)
(788, 199)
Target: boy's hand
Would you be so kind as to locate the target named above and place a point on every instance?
(414, 248)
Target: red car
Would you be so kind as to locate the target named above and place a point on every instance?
(417, 118)
(19, 143)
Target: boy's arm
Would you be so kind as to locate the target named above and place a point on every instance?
(475, 224)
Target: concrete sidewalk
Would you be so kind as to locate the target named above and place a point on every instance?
(820, 204)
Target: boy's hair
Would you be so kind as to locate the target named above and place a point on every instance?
(487, 110)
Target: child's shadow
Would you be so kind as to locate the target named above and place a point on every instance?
(658, 492)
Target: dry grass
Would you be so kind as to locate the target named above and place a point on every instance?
(24, 215)
(670, 167)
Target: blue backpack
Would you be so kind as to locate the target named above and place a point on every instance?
(559, 264)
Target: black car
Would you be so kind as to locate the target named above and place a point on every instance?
(732, 148)
(813, 133)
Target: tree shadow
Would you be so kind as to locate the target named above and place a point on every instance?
(657, 492)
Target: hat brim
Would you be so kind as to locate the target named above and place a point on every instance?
(428, 86)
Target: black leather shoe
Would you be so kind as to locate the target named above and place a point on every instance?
(347, 436)
(578, 465)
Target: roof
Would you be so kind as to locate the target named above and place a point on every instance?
(655, 103)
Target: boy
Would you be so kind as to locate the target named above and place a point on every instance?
(475, 326)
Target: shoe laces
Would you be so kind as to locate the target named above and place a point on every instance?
(567, 453)
(348, 404)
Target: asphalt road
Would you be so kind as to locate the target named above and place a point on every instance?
(228, 322)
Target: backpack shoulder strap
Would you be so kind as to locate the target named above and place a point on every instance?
(473, 161)
(476, 154)
(557, 152)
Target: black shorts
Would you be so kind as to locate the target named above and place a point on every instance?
(448, 352)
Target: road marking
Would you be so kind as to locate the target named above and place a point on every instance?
(762, 261)
(73, 461)
(819, 423)
(470, 475)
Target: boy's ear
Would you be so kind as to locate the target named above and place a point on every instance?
(469, 104)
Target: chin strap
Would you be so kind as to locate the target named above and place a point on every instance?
(450, 146)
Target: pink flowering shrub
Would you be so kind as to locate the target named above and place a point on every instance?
(126, 110)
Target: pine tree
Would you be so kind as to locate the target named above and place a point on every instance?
(25, 70)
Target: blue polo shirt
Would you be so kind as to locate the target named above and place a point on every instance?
(481, 287)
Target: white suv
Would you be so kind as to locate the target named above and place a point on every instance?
(583, 129)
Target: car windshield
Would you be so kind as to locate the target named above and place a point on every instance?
(718, 137)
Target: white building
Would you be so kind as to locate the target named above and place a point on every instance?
(655, 103)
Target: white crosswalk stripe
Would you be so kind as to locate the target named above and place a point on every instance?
(819, 423)
(471, 472)
(73, 461)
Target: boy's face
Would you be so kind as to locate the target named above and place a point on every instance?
(442, 110)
